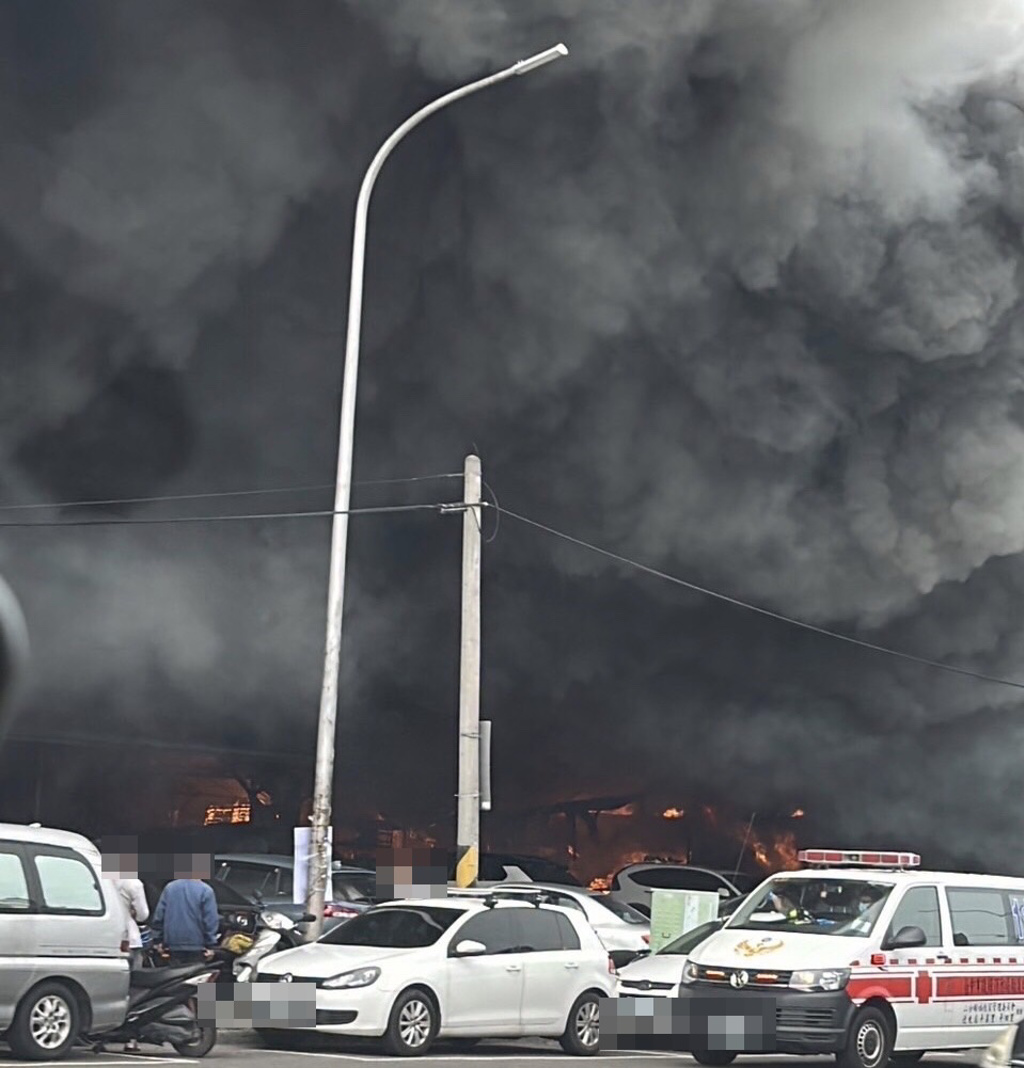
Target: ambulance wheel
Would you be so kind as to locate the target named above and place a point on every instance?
(869, 1044)
(713, 1058)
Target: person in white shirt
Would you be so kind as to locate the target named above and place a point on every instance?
(133, 897)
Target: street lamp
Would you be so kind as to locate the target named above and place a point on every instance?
(325, 744)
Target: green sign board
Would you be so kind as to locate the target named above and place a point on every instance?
(674, 912)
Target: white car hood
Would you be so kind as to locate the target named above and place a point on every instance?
(657, 968)
(319, 961)
(784, 950)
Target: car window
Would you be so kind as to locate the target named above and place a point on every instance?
(355, 886)
(13, 884)
(249, 880)
(394, 928)
(919, 907)
(570, 939)
(540, 931)
(497, 929)
(68, 885)
(982, 918)
(677, 879)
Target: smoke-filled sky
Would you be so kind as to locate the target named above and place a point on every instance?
(735, 289)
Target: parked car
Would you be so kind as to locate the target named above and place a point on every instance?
(517, 867)
(635, 884)
(410, 972)
(267, 879)
(58, 918)
(623, 931)
(658, 974)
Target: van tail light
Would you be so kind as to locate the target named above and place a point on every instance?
(339, 912)
(646, 938)
(125, 946)
(611, 967)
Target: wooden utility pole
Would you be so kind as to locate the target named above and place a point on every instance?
(468, 856)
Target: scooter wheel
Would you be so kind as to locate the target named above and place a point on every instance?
(198, 1047)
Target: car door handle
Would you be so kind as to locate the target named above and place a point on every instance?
(572, 965)
(513, 967)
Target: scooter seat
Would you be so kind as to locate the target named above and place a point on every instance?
(147, 978)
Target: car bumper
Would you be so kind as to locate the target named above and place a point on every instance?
(804, 1023)
(362, 1012)
(624, 991)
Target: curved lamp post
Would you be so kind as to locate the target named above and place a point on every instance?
(324, 780)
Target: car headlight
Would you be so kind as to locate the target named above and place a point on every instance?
(690, 972)
(812, 981)
(276, 921)
(1000, 1053)
(351, 980)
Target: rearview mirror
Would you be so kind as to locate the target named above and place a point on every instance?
(907, 938)
(468, 948)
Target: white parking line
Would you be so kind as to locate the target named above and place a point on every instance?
(527, 1056)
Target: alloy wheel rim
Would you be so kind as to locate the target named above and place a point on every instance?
(414, 1023)
(50, 1022)
(588, 1023)
(870, 1044)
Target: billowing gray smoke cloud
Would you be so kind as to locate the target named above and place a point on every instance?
(735, 290)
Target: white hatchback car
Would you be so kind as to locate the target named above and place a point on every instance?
(658, 975)
(454, 968)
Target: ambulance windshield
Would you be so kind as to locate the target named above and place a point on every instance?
(847, 907)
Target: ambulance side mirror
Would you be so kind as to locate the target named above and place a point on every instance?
(907, 938)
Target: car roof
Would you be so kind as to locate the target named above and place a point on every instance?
(282, 860)
(20, 832)
(468, 904)
(547, 888)
(902, 878)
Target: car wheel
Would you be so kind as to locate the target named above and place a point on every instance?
(869, 1043)
(582, 1035)
(713, 1058)
(412, 1027)
(46, 1023)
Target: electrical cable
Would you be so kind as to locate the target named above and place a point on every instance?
(778, 616)
(122, 521)
(215, 494)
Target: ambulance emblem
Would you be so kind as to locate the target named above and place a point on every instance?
(767, 944)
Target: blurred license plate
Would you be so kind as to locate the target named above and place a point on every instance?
(258, 1005)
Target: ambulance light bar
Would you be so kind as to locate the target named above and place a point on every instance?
(855, 859)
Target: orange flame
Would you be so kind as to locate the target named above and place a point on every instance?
(673, 814)
(798, 814)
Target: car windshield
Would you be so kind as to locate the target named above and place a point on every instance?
(624, 912)
(407, 927)
(687, 943)
(829, 906)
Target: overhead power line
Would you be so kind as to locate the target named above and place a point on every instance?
(214, 494)
(124, 521)
(737, 603)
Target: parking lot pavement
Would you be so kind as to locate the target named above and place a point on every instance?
(243, 1048)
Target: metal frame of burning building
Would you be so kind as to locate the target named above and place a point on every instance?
(601, 835)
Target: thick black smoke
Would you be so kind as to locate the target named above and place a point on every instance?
(735, 289)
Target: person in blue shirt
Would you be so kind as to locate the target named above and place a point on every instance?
(186, 919)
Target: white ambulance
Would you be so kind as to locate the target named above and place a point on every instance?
(868, 957)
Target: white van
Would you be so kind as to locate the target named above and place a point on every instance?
(863, 956)
(63, 963)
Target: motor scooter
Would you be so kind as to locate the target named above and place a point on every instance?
(274, 932)
(162, 1008)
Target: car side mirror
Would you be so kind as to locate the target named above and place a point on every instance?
(468, 948)
(307, 917)
(907, 938)
(723, 893)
